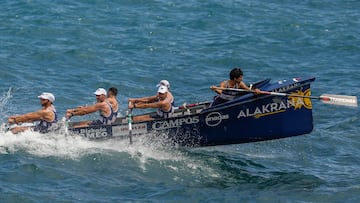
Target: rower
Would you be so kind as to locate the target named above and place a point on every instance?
(112, 93)
(46, 115)
(105, 109)
(163, 101)
(236, 81)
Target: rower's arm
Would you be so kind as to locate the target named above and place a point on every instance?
(159, 104)
(244, 86)
(143, 99)
(216, 89)
(29, 117)
(85, 110)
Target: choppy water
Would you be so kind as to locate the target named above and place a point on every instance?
(71, 48)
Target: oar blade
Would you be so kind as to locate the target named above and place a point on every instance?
(343, 100)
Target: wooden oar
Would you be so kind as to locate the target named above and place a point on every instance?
(343, 100)
(130, 123)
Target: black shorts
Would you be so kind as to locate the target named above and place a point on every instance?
(96, 122)
(155, 116)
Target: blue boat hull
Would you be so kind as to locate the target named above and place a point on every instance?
(248, 118)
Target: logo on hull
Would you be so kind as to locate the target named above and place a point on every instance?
(93, 132)
(296, 102)
(123, 130)
(215, 118)
(161, 125)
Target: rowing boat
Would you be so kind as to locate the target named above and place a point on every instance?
(247, 118)
(281, 109)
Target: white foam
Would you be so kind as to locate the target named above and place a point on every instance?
(4, 99)
(62, 145)
(144, 150)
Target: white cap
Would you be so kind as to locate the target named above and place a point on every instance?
(165, 83)
(162, 89)
(48, 96)
(100, 91)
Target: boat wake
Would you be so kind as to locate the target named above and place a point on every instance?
(144, 152)
(59, 144)
(4, 99)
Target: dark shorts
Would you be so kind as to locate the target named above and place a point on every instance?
(42, 129)
(96, 122)
(155, 116)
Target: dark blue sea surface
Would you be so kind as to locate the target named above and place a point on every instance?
(71, 48)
